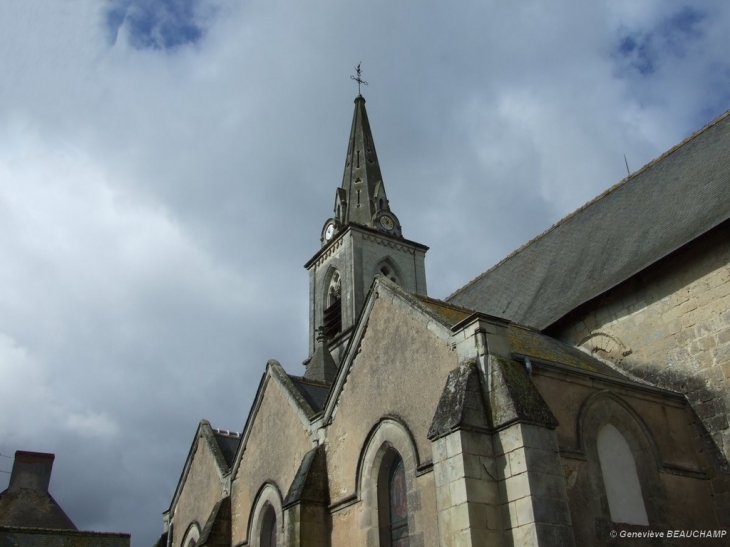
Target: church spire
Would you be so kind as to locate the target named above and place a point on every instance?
(361, 199)
(362, 240)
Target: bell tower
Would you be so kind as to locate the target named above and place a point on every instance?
(361, 240)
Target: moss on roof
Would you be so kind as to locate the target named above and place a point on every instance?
(527, 342)
(449, 313)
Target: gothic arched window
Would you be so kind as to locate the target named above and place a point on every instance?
(620, 479)
(192, 535)
(268, 528)
(332, 317)
(392, 501)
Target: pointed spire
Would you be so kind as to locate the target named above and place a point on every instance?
(362, 194)
(322, 366)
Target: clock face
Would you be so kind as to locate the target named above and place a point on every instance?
(387, 223)
(329, 232)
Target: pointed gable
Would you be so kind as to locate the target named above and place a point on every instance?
(203, 481)
(395, 366)
(274, 442)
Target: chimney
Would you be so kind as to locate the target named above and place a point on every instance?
(31, 470)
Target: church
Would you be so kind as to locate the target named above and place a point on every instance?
(577, 393)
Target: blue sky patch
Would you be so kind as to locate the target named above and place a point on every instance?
(157, 24)
(643, 51)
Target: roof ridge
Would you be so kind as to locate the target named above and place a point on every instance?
(309, 381)
(226, 433)
(593, 201)
(440, 302)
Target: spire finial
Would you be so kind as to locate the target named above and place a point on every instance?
(358, 78)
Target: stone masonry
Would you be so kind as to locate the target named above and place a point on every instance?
(467, 496)
(670, 325)
(532, 486)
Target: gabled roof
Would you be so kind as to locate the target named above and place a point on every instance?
(296, 395)
(668, 203)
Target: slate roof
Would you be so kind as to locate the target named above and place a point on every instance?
(665, 205)
(315, 393)
(32, 508)
(228, 442)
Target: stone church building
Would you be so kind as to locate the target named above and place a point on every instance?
(575, 394)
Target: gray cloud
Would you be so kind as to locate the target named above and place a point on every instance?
(161, 189)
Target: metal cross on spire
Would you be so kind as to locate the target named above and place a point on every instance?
(358, 79)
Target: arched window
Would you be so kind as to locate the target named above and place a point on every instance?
(266, 519)
(392, 501)
(620, 478)
(332, 317)
(387, 268)
(268, 528)
(192, 535)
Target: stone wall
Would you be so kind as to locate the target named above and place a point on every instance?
(670, 325)
(201, 491)
(398, 375)
(681, 489)
(274, 450)
(399, 371)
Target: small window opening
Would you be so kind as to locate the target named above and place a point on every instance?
(332, 320)
(386, 271)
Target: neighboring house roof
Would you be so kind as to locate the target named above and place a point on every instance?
(26, 501)
(668, 203)
(32, 509)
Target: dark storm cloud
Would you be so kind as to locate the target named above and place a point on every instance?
(159, 193)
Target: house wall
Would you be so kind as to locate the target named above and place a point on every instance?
(39, 537)
(670, 325)
(399, 372)
(201, 491)
(273, 453)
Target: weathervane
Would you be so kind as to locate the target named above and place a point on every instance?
(358, 79)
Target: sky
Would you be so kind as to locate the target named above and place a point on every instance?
(166, 167)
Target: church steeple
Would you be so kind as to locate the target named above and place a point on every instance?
(362, 240)
(362, 183)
